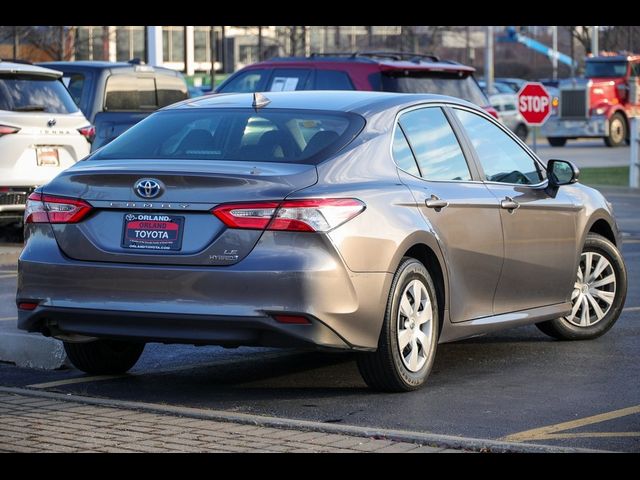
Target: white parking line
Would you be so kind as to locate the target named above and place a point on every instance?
(99, 378)
(8, 319)
(631, 309)
(10, 275)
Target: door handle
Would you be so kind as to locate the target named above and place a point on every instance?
(436, 203)
(509, 204)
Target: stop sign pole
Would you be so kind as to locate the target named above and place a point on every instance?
(534, 105)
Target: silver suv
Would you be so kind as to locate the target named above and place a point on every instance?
(42, 133)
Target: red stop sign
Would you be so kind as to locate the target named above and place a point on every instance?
(534, 103)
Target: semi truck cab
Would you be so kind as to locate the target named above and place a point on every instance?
(598, 105)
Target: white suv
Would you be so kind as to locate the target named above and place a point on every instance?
(42, 132)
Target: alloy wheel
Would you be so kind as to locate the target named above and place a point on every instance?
(617, 131)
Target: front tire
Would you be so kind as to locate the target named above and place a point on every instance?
(598, 296)
(103, 357)
(557, 141)
(409, 336)
(617, 131)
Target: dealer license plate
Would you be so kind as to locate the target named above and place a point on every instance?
(149, 231)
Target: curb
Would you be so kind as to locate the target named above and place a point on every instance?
(426, 439)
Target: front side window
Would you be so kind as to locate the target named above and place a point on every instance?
(435, 145)
(290, 136)
(502, 159)
(246, 82)
(26, 93)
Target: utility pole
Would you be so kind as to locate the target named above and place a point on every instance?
(594, 41)
(212, 56)
(16, 43)
(554, 60)
(260, 43)
(488, 58)
(572, 53)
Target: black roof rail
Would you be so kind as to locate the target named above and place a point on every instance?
(334, 54)
(135, 61)
(411, 56)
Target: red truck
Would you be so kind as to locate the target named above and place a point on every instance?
(598, 105)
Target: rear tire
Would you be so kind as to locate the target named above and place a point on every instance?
(409, 336)
(522, 132)
(557, 141)
(595, 324)
(617, 131)
(103, 357)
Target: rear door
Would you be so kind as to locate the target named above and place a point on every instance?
(462, 212)
(539, 227)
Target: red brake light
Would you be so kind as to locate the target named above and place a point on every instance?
(292, 319)
(6, 130)
(88, 132)
(27, 306)
(49, 209)
(492, 111)
(310, 215)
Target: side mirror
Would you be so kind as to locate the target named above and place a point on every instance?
(562, 172)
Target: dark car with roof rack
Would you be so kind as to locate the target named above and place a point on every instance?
(378, 71)
(114, 96)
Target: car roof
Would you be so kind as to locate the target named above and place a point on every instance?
(385, 60)
(103, 65)
(11, 67)
(335, 100)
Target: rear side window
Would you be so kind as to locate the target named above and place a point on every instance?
(332, 80)
(295, 136)
(289, 79)
(22, 93)
(170, 90)
(249, 81)
(435, 145)
(130, 93)
(440, 83)
(75, 84)
(402, 153)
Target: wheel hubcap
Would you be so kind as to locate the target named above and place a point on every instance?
(616, 131)
(594, 290)
(415, 325)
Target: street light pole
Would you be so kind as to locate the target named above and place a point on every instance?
(488, 59)
(594, 41)
(554, 60)
(212, 56)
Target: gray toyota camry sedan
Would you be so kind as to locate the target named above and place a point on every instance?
(373, 222)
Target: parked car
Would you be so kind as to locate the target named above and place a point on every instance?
(42, 132)
(515, 83)
(379, 71)
(373, 222)
(506, 104)
(498, 88)
(116, 96)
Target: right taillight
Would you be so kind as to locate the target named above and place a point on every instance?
(7, 130)
(50, 209)
(308, 215)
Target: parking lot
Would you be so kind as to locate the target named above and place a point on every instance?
(517, 386)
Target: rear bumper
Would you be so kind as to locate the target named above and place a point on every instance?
(179, 328)
(595, 126)
(285, 273)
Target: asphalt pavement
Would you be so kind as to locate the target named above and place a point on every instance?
(517, 385)
(584, 153)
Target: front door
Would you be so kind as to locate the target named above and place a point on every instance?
(539, 227)
(461, 211)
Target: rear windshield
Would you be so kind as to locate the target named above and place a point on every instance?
(130, 93)
(439, 83)
(296, 136)
(21, 93)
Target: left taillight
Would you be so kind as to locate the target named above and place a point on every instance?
(50, 209)
(7, 130)
(88, 132)
(308, 215)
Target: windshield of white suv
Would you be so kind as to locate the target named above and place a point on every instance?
(25, 93)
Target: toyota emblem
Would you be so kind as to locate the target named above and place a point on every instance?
(148, 188)
(51, 122)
